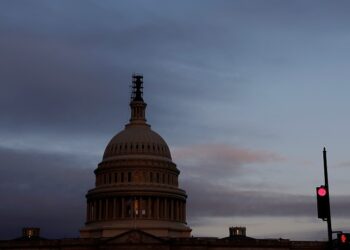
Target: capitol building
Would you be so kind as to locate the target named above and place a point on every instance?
(136, 182)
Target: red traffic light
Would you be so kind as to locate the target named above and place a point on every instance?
(323, 202)
(343, 241)
(343, 238)
(322, 191)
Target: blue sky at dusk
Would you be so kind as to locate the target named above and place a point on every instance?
(246, 93)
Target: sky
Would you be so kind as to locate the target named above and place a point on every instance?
(246, 93)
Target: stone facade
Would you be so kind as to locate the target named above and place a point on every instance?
(137, 239)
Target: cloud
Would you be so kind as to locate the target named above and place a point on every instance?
(206, 199)
(219, 160)
(343, 164)
(43, 189)
(222, 200)
(225, 153)
(63, 77)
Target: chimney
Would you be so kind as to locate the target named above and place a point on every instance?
(238, 231)
(30, 232)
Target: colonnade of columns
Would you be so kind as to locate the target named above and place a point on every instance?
(136, 207)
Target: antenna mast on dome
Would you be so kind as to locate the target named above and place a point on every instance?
(137, 87)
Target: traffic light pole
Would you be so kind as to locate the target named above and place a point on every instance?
(329, 221)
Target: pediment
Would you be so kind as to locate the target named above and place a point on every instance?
(134, 236)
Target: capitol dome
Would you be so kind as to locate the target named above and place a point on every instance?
(137, 140)
(136, 183)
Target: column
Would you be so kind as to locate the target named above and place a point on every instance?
(180, 210)
(114, 208)
(119, 207)
(106, 209)
(123, 208)
(95, 210)
(165, 208)
(99, 210)
(149, 208)
(157, 208)
(140, 207)
(183, 212)
(161, 205)
(92, 211)
(132, 208)
(177, 210)
(184, 206)
(172, 210)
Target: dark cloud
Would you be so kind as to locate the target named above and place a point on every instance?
(54, 87)
(68, 73)
(46, 190)
(220, 200)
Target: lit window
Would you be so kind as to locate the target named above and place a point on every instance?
(136, 207)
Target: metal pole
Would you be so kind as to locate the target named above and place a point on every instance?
(329, 221)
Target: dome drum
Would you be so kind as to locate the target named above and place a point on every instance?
(137, 162)
(110, 192)
(134, 176)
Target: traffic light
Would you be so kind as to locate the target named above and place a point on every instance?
(344, 241)
(322, 202)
